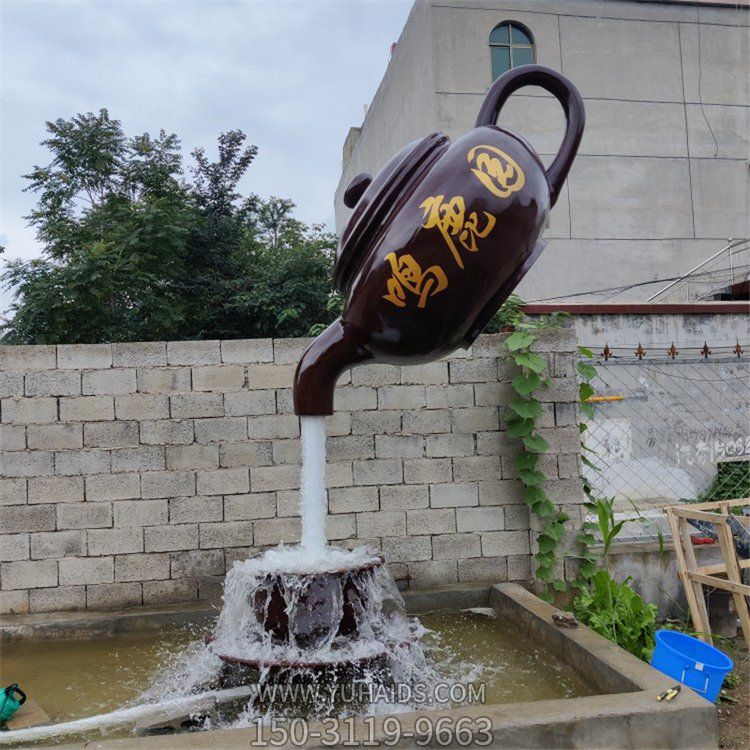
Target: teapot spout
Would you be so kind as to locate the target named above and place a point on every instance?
(332, 352)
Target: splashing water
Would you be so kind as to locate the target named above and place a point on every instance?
(312, 498)
(279, 611)
(335, 629)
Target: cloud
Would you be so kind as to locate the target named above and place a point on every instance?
(293, 75)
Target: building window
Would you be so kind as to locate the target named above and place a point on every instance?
(511, 45)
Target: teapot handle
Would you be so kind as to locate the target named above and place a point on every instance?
(568, 96)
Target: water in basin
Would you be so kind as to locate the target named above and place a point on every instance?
(77, 678)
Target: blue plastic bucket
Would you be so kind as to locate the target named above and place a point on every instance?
(692, 662)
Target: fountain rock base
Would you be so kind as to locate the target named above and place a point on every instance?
(327, 626)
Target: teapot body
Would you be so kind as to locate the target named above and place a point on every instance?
(461, 237)
(438, 240)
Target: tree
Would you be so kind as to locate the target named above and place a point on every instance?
(132, 250)
(284, 286)
(211, 260)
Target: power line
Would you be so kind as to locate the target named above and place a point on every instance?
(626, 287)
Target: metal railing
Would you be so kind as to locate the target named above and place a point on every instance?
(723, 269)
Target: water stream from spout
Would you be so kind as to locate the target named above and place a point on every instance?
(312, 499)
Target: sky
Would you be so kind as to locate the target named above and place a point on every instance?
(295, 76)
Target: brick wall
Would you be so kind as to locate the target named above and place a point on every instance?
(137, 473)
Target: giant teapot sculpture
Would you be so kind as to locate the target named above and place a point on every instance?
(438, 240)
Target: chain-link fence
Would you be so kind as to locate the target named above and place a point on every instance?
(667, 430)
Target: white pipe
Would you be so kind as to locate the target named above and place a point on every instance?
(136, 714)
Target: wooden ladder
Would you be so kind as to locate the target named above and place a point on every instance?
(694, 577)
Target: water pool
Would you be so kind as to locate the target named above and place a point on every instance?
(72, 679)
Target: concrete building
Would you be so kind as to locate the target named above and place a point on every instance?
(661, 180)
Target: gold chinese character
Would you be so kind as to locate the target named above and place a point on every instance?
(409, 277)
(450, 218)
(500, 174)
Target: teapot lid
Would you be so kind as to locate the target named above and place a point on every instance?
(376, 198)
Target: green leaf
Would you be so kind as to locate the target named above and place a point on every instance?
(588, 410)
(556, 530)
(585, 391)
(585, 352)
(559, 585)
(526, 408)
(519, 340)
(535, 443)
(546, 559)
(526, 383)
(543, 509)
(532, 477)
(526, 461)
(587, 569)
(546, 543)
(587, 462)
(588, 372)
(520, 427)
(533, 495)
(531, 361)
(545, 596)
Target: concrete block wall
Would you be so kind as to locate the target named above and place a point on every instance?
(138, 473)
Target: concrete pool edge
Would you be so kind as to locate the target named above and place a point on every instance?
(627, 715)
(628, 720)
(81, 624)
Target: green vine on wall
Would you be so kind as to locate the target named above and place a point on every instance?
(524, 411)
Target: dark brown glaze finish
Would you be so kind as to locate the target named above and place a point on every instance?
(438, 240)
